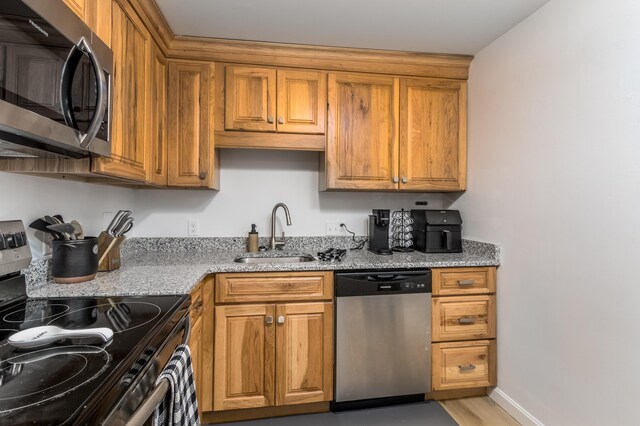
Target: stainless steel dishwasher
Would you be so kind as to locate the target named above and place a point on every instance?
(383, 338)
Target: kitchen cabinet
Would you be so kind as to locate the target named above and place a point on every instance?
(201, 338)
(273, 354)
(97, 15)
(394, 133)
(192, 159)
(130, 132)
(464, 328)
(271, 108)
(362, 132)
(433, 141)
(157, 146)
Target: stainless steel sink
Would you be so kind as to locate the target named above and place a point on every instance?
(275, 259)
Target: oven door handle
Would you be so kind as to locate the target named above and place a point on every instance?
(157, 394)
(83, 47)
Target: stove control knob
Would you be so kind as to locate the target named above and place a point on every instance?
(11, 240)
(20, 239)
(3, 242)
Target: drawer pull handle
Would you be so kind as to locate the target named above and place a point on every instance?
(269, 319)
(466, 282)
(467, 320)
(197, 307)
(468, 367)
(281, 319)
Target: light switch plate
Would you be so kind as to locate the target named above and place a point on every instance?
(332, 227)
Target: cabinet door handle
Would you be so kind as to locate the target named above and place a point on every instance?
(466, 282)
(404, 179)
(269, 320)
(467, 320)
(280, 120)
(396, 179)
(270, 119)
(202, 176)
(281, 319)
(468, 367)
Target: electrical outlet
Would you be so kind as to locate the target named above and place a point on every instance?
(193, 228)
(332, 227)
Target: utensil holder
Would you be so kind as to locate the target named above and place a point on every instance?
(109, 252)
(74, 261)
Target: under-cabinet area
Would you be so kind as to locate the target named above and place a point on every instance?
(268, 344)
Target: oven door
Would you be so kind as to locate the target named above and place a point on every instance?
(54, 84)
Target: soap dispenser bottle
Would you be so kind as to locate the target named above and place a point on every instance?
(252, 244)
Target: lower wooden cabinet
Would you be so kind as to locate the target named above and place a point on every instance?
(460, 365)
(463, 328)
(201, 340)
(272, 355)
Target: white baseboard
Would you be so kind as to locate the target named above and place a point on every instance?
(513, 408)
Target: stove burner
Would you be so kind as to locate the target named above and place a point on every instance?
(31, 378)
(35, 312)
(118, 315)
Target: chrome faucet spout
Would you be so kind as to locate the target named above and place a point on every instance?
(275, 243)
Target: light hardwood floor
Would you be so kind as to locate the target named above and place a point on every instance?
(478, 411)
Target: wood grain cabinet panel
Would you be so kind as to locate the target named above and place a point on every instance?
(432, 134)
(301, 101)
(463, 281)
(362, 133)
(191, 151)
(97, 15)
(274, 287)
(244, 364)
(131, 45)
(463, 318)
(304, 361)
(158, 141)
(250, 98)
(461, 365)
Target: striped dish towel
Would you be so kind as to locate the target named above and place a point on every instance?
(180, 406)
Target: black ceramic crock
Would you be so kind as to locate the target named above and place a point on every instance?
(74, 261)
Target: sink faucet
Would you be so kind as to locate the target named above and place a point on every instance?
(275, 243)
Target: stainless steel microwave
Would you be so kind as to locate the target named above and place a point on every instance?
(55, 83)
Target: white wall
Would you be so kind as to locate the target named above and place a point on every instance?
(27, 198)
(252, 182)
(554, 177)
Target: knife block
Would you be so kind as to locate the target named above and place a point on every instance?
(109, 252)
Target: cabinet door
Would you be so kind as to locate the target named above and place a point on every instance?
(97, 15)
(244, 357)
(302, 100)
(362, 132)
(304, 365)
(77, 6)
(195, 345)
(131, 44)
(250, 98)
(158, 140)
(433, 138)
(191, 152)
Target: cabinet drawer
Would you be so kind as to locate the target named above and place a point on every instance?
(274, 287)
(458, 281)
(464, 365)
(463, 318)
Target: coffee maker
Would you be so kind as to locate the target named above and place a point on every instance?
(379, 232)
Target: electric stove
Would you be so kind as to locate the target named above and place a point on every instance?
(82, 381)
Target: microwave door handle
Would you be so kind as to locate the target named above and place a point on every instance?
(102, 89)
(448, 239)
(66, 82)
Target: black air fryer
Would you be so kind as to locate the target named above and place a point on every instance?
(437, 231)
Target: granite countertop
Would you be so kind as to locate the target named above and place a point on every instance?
(176, 266)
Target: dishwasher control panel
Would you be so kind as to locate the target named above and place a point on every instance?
(382, 282)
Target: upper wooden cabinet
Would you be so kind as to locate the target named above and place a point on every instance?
(190, 139)
(250, 101)
(362, 136)
(433, 122)
(131, 44)
(157, 147)
(97, 15)
(260, 107)
(389, 133)
(78, 6)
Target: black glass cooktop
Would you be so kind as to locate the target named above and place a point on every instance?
(63, 382)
